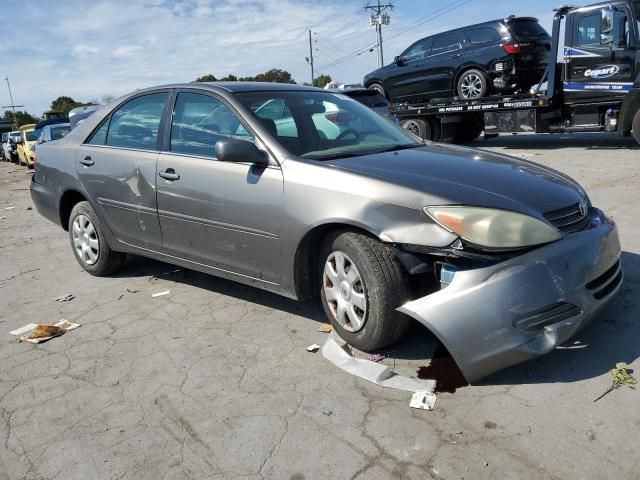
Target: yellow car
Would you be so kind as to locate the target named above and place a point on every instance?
(28, 137)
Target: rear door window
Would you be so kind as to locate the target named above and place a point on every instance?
(479, 36)
(445, 43)
(527, 29)
(136, 123)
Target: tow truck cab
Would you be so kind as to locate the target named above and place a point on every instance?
(600, 67)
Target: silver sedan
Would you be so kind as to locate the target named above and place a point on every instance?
(307, 193)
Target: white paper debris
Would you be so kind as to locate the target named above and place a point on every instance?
(373, 372)
(423, 400)
(22, 330)
(313, 348)
(7, 208)
(160, 294)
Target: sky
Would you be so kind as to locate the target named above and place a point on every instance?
(86, 49)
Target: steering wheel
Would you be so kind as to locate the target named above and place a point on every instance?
(349, 131)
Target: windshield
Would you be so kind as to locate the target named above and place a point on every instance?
(323, 125)
(58, 132)
(33, 135)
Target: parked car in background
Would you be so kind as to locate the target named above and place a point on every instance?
(9, 145)
(50, 133)
(28, 137)
(370, 98)
(502, 56)
(53, 132)
(501, 258)
(79, 114)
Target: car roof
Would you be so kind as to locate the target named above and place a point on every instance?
(27, 127)
(237, 87)
(487, 24)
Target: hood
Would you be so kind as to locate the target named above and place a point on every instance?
(464, 176)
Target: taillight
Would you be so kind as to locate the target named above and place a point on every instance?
(515, 48)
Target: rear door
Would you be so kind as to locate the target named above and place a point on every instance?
(600, 53)
(117, 168)
(225, 215)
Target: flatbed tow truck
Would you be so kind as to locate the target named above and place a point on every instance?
(592, 86)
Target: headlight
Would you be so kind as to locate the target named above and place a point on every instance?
(493, 228)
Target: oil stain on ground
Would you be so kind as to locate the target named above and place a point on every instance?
(444, 371)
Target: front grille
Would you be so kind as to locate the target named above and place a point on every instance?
(545, 316)
(568, 219)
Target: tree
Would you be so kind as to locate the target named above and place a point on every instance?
(275, 75)
(321, 81)
(22, 117)
(206, 78)
(65, 104)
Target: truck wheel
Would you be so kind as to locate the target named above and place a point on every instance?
(472, 84)
(427, 129)
(378, 88)
(89, 244)
(362, 284)
(635, 128)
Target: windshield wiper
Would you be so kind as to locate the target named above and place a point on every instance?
(396, 148)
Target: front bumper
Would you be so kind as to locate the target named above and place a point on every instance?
(494, 317)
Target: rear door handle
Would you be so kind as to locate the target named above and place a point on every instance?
(457, 55)
(86, 161)
(169, 174)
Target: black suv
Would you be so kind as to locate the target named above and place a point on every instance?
(502, 56)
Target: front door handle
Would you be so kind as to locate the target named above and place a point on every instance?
(169, 174)
(86, 161)
(457, 55)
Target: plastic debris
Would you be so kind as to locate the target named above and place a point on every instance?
(160, 294)
(67, 297)
(373, 372)
(621, 376)
(38, 333)
(8, 208)
(325, 328)
(423, 400)
(313, 348)
(376, 357)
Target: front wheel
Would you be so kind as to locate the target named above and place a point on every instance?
(472, 84)
(378, 88)
(89, 244)
(362, 284)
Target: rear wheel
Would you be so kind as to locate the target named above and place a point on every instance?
(427, 128)
(362, 284)
(89, 244)
(378, 88)
(635, 128)
(472, 84)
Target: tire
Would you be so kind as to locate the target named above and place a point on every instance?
(383, 285)
(427, 129)
(635, 127)
(99, 259)
(472, 84)
(378, 88)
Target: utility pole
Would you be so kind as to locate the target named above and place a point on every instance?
(13, 106)
(379, 18)
(310, 57)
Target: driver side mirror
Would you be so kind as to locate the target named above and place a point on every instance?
(240, 151)
(398, 61)
(606, 27)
